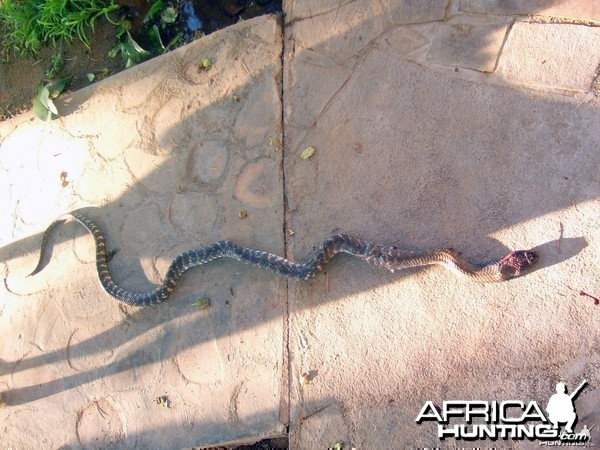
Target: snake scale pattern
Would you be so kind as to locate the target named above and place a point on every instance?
(389, 257)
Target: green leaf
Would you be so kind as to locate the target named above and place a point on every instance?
(40, 111)
(123, 28)
(155, 39)
(56, 65)
(91, 77)
(207, 63)
(45, 99)
(132, 52)
(56, 86)
(115, 50)
(156, 8)
(202, 303)
(169, 15)
(43, 107)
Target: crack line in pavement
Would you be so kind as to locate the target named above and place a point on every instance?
(322, 13)
(284, 402)
(511, 24)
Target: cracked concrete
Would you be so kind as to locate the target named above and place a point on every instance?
(440, 123)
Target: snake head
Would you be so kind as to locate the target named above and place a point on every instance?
(517, 263)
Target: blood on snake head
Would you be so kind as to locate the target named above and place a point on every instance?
(517, 263)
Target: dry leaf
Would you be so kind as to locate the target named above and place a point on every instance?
(308, 152)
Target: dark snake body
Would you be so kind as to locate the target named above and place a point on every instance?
(389, 257)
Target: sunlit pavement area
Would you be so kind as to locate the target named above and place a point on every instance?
(440, 123)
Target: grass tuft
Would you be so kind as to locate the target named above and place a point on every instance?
(29, 24)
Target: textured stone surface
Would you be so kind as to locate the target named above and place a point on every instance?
(414, 11)
(410, 149)
(573, 9)
(423, 157)
(555, 56)
(396, 11)
(167, 170)
(469, 42)
(356, 24)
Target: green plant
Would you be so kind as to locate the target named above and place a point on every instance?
(56, 65)
(30, 24)
(129, 49)
(159, 17)
(43, 103)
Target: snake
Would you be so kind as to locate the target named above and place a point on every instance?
(515, 264)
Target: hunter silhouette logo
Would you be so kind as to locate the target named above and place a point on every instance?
(511, 419)
(561, 408)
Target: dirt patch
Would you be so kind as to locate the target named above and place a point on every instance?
(21, 76)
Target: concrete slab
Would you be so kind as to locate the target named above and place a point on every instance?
(414, 11)
(396, 11)
(424, 158)
(552, 56)
(470, 42)
(168, 154)
(569, 9)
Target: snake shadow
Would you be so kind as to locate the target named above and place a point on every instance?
(557, 251)
(139, 321)
(135, 323)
